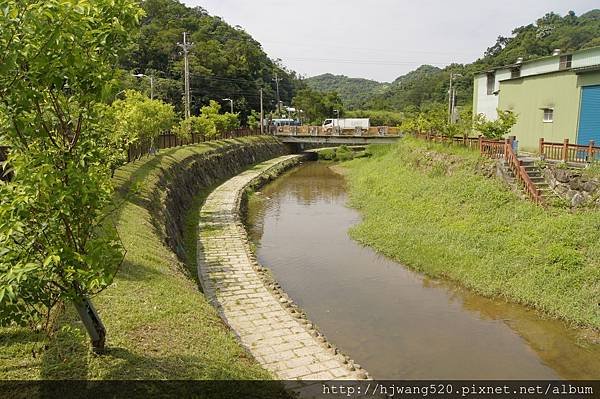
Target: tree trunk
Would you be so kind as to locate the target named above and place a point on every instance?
(92, 322)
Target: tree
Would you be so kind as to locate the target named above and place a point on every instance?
(498, 128)
(55, 59)
(195, 125)
(254, 120)
(318, 106)
(139, 118)
(222, 123)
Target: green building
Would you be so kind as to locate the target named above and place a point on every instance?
(555, 97)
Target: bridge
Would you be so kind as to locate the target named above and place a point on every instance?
(318, 135)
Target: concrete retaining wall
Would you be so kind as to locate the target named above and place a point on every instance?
(266, 321)
(179, 184)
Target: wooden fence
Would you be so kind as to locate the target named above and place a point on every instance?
(520, 173)
(567, 152)
(472, 143)
(492, 148)
(169, 140)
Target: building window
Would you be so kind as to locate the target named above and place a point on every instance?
(565, 61)
(548, 115)
(515, 73)
(491, 83)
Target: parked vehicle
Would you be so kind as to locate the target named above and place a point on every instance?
(347, 124)
(285, 122)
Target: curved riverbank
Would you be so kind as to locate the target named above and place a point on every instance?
(266, 322)
(425, 205)
(159, 326)
(397, 323)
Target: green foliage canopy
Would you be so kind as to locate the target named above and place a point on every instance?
(318, 106)
(55, 57)
(498, 128)
(140, 118)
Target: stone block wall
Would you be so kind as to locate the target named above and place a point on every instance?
(572, 185)
(179, 184)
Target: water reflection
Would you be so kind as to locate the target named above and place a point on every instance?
(396, 323)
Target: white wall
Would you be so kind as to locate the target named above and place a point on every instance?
(586, 58)
(486, 104)
(541, 66)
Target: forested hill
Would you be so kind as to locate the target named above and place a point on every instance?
(353, 91)
(428, 84)
(225, 61)
(413, 89)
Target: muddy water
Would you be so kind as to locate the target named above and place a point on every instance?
(396, 323)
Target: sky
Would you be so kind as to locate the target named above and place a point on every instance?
(380, 39)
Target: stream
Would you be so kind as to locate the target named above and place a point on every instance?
(396, 323)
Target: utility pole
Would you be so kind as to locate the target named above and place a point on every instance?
(453, 105)
(277, 80)
(186, 49)
(262, 114)
(451, 97)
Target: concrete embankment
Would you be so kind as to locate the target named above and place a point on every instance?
(178, 185)
(277, 334)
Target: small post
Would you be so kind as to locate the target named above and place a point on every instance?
(541, 147)
(565, 154)
(591, 151)
(480, 144)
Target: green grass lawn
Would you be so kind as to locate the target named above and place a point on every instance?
(159, 325)
(424, 205)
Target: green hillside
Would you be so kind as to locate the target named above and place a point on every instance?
(429, 84)
(354, 92)
(225, 61)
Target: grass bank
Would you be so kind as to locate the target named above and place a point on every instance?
(425, 205)
(159, 326)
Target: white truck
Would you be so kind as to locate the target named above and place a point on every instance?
(347, 124)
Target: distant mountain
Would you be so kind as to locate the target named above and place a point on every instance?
(429, 84)
(413, 89)
(353, 91)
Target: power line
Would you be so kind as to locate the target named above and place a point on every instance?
(367, 62)
(374, 49)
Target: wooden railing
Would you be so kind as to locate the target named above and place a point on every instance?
(169, 140)
(470, 142)
(520, 173)
(567, 152)
(495, 149)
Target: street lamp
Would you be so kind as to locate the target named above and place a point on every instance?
(231, 103)
(119, 93)
(141, 75)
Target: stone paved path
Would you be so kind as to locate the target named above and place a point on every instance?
(280, 342)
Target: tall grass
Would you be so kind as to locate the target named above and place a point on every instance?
(426, 206)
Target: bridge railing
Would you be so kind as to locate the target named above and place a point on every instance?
(307, 130)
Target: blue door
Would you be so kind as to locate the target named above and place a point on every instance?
(589, 116)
